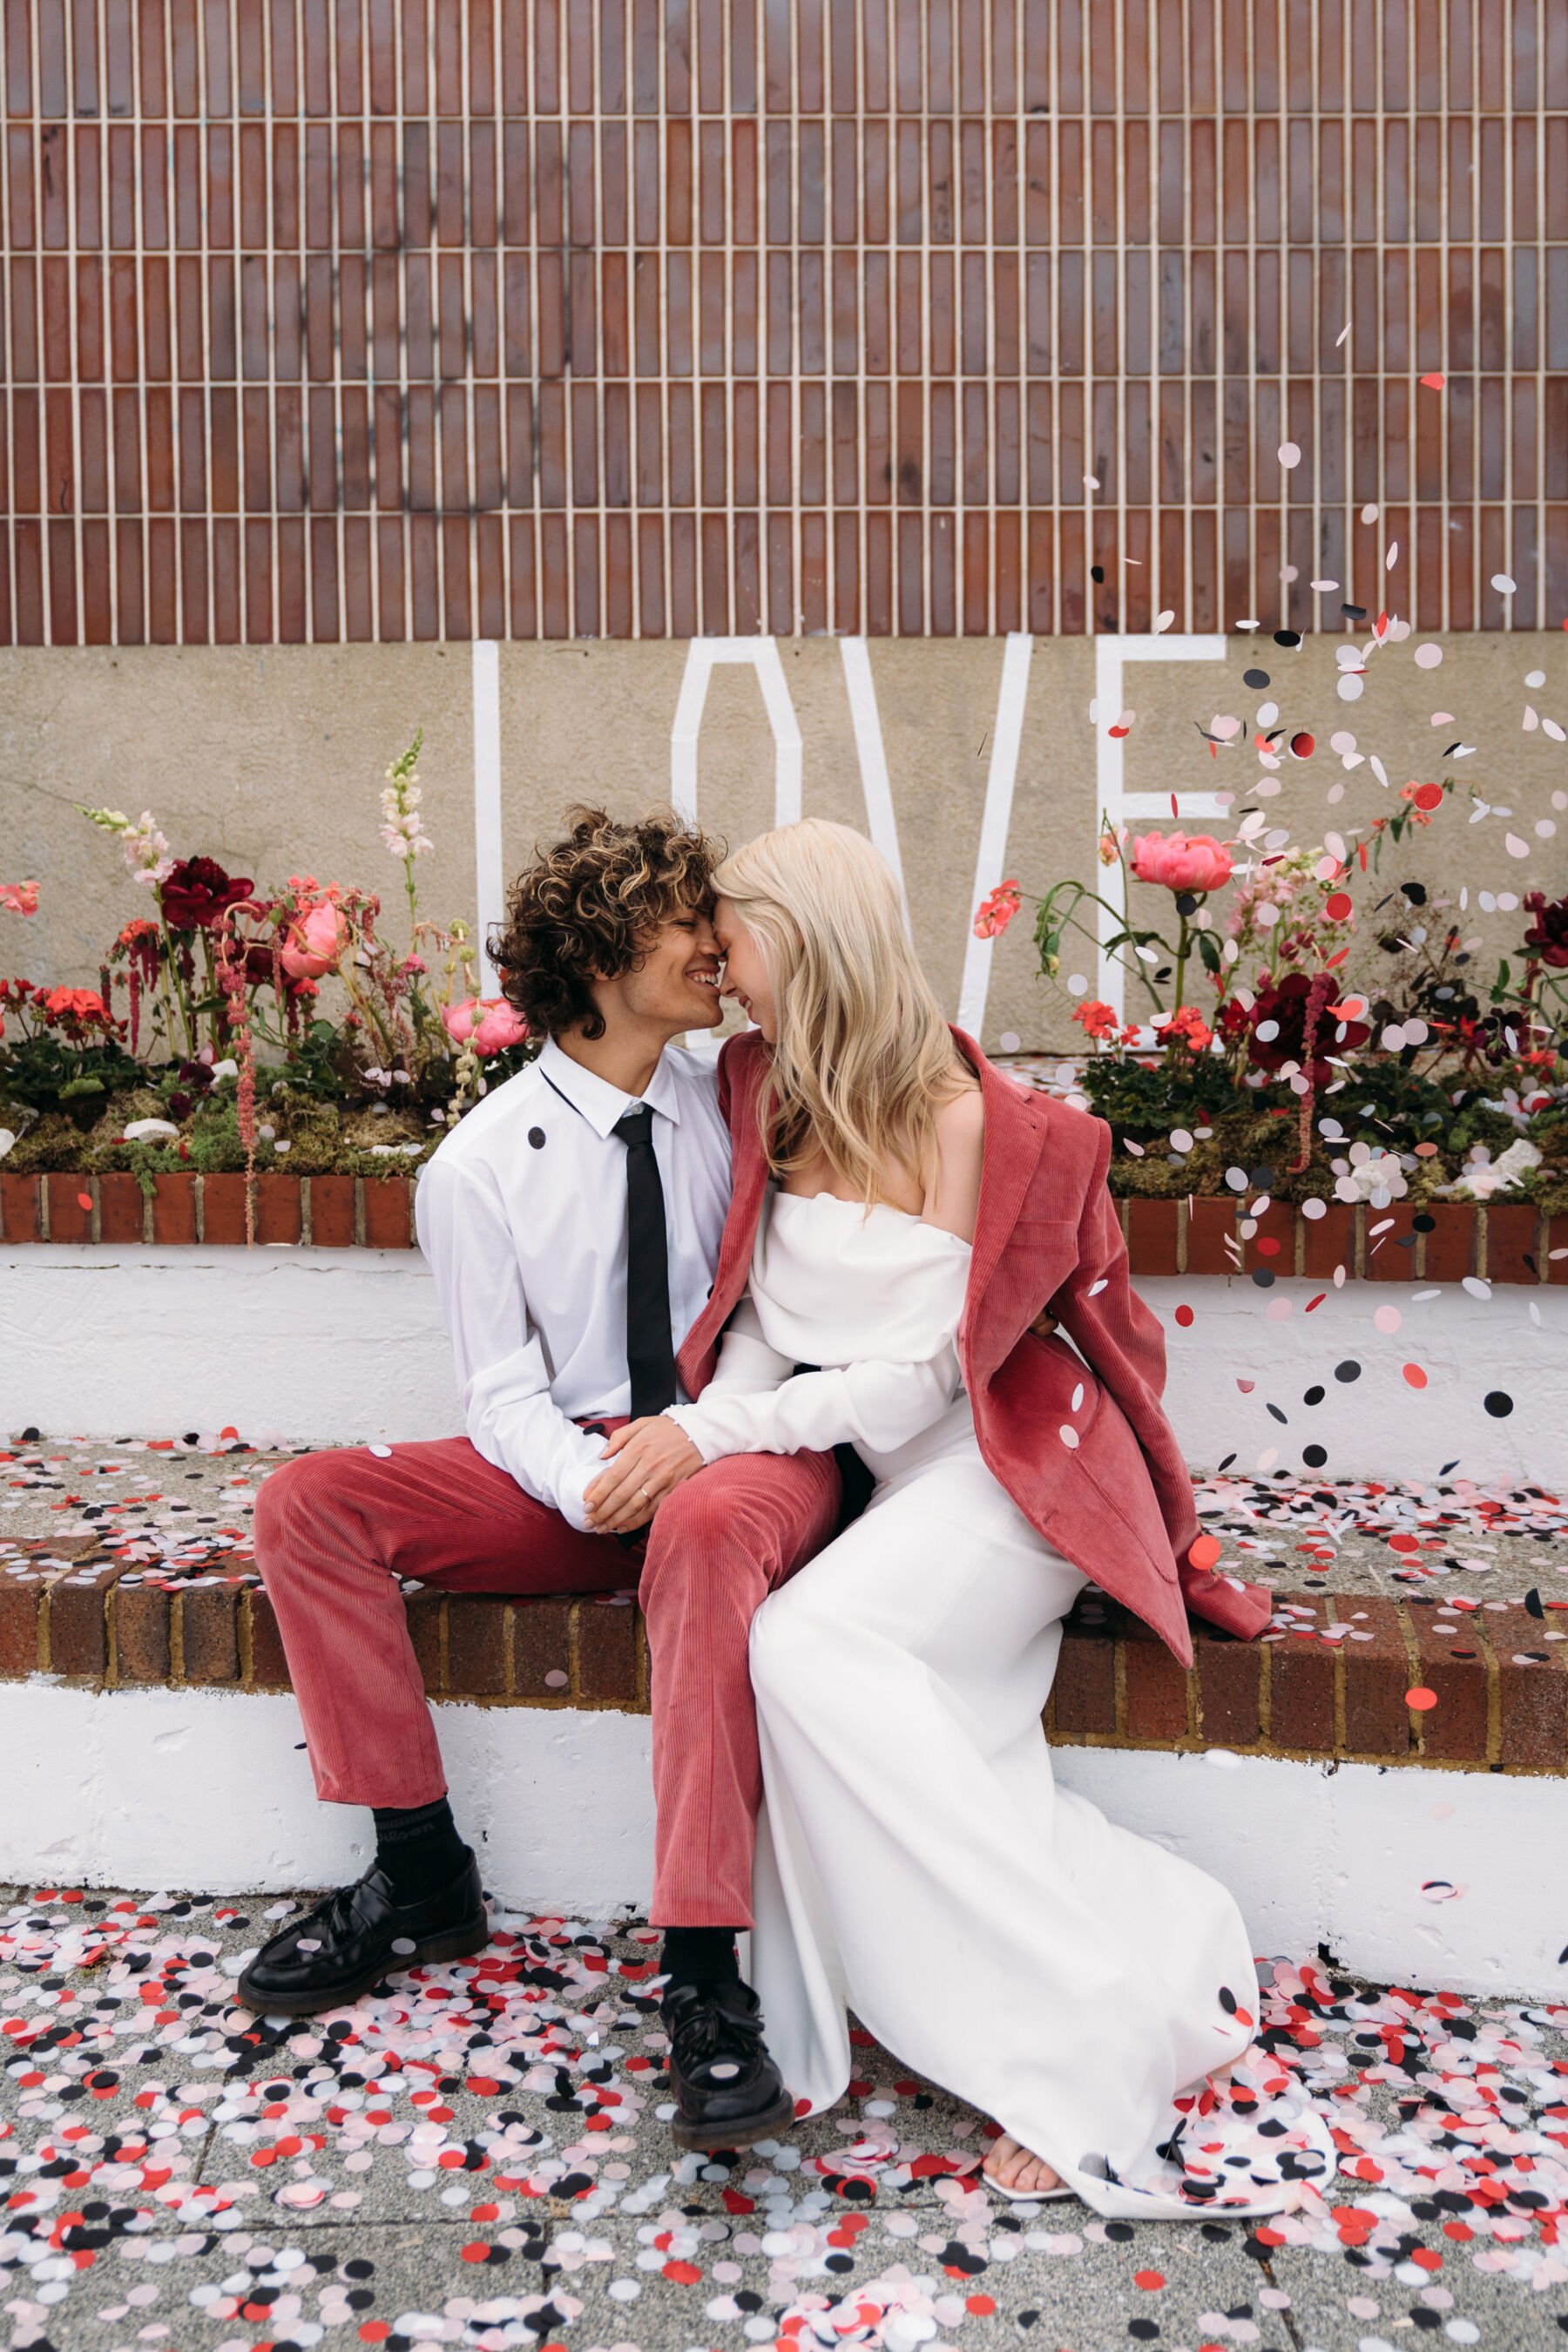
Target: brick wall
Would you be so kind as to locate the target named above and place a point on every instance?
(405, 319)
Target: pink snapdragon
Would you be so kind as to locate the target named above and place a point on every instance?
(1181, 861)
(19, 898)
(488, 1024)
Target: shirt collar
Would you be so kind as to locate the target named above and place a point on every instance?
(600, 1103)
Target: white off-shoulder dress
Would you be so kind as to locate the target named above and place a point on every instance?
(916, 1861)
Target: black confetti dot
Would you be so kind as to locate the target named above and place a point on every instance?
(1145, 2330)
(1227, 2001)
(1276, 1412)
(1314, 1456)
(1263, 1278)
(536, 1136)
(1287, 636)
(1349, 1370)
(1097, 571)
(1256, 678)
(1313, 1396)
(1354, 612)
(1499, 1403)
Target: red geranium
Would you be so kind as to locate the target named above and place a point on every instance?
(196, 892)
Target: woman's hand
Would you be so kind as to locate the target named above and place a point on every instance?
(644, 1462)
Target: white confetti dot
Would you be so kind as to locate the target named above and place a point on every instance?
(1535, 678)
(1369, 514)
(1180, 1140)
(1504, 584)
(1314, 1209)
(1476, 1287)
(1550, 727)
(1462, 2331)
(1323, 587)
(1428, 657)
(1290, 454)
(1090, 483)
(1392, 558)
(382, 1452)
(1069, 1436)
(1545, 828)
(403, 1945)
(1076, 984)
(1009, 1042)
(1163, 621)
(1349, 687)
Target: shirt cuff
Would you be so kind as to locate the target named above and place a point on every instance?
(574, 1485)
(690, 1419)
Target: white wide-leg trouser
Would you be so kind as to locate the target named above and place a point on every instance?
(918, 1863)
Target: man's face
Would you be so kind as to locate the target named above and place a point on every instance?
(675, 984)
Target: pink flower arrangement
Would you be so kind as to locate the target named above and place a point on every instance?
(1181, 861)
(315, 942)
(997, 911)
(19, 898)
(488, 1024)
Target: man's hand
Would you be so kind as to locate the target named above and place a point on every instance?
(645, 1462)
(1044, 1324)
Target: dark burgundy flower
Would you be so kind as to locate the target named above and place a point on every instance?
(1281, 1012)
(198, 891)
(1547, 937)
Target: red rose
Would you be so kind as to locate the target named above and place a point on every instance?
(196, 892)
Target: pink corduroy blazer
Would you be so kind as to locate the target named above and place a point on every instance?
(1118, 1502)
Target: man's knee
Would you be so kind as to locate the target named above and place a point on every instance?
(295, 1504)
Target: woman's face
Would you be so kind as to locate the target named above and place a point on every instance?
(745, 975)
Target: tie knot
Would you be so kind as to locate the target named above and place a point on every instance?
(634, 1125)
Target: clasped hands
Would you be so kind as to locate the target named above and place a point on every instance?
(650, 1458)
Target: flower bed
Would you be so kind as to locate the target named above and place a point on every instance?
(1427, 1080)
(209, 1052)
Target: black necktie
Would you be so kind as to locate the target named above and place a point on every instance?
(650, 1356)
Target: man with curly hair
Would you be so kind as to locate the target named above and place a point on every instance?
(571, 1221)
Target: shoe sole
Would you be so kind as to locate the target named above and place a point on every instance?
(704, 2139)
(461, 1946)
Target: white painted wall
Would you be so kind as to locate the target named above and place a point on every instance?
(208, 1791)
(325, 1346)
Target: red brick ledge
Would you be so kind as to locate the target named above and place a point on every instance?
(328, 1211)
(1509, 1243)
(1502, 1689)
(1405, 1242)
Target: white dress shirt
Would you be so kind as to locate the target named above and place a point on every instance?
(522, 1214)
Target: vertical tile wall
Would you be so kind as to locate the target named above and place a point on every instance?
(360, 319)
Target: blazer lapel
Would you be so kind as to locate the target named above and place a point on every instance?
(1014, 1138)
(750, 1179)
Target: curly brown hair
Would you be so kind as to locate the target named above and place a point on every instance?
(589, 905)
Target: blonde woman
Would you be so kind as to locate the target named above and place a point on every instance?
(901, 1216)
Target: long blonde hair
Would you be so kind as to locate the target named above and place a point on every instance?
(863, 1055)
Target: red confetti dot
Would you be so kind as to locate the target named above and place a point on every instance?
(84, 1200)
(1204, 1552)
(1427, 2258)
(1428, 796)
(1403, 1543)
(476, 2252)
(1183, 1315)
(1303, 745)
(1421, 1698)
(1414, 1375)
(485, 2213)
(375, 2331)
(683, 2273)
(1339, 906)
(979, 2305)
(1432, 383)
(1149, 2280)
(1460, 2230)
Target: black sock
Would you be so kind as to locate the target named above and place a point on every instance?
(699, 1956)
(418, 1847)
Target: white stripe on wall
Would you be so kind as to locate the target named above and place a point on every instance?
(1005, 739)
(763, 655)
(875, 783)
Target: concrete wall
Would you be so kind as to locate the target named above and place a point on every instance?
(271, 760)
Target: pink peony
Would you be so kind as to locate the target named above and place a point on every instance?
(315, 943)
(488, 1024)
(1180, 863)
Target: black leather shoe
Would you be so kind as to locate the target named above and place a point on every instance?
(358, 1934)
(726, 2088)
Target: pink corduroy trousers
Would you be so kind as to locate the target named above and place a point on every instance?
(334, 1533)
